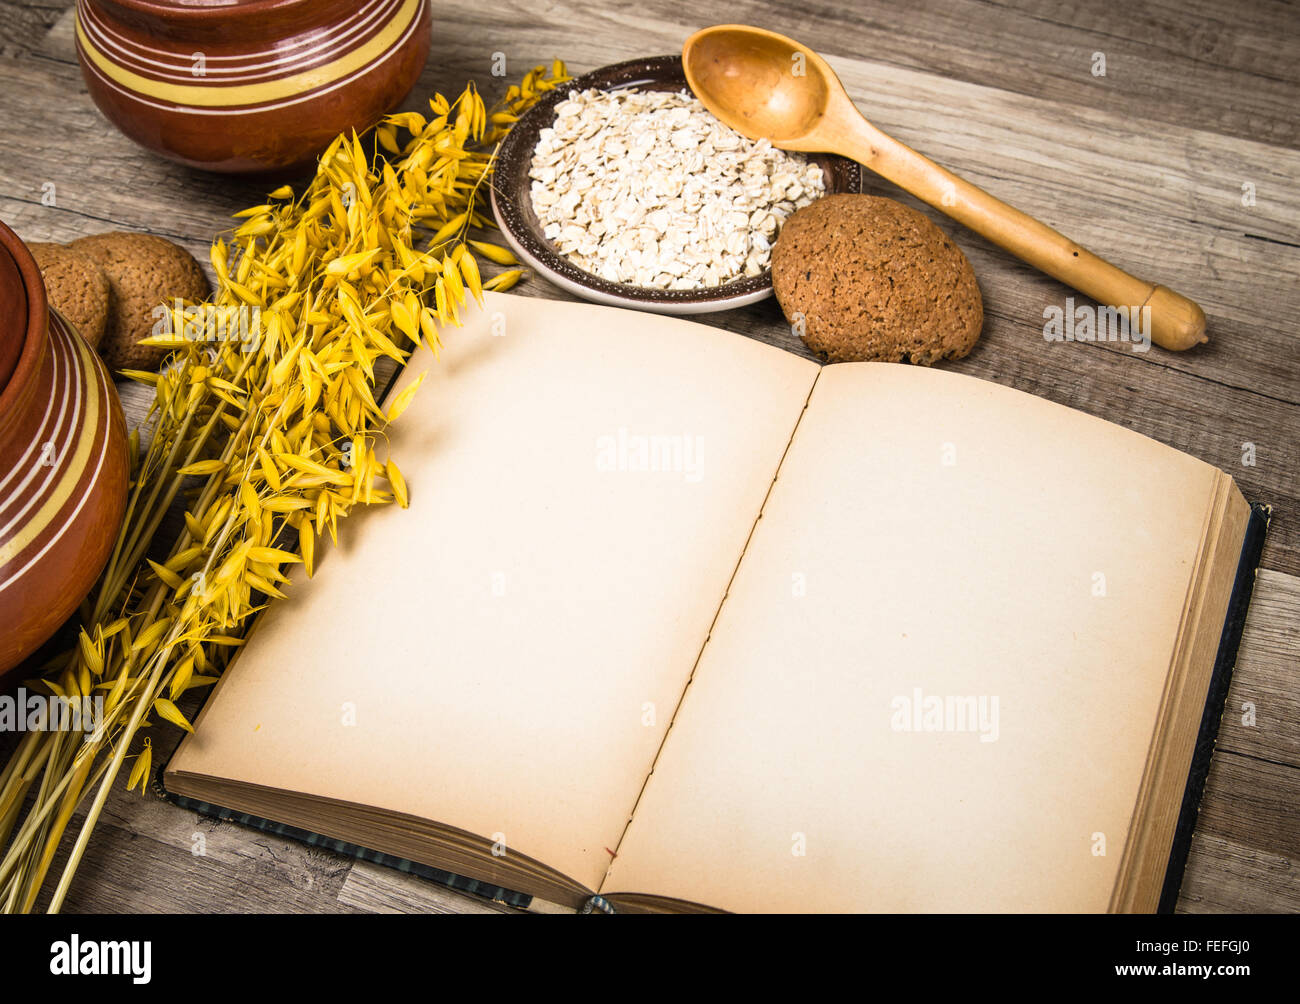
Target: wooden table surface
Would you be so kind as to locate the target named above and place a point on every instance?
(1153, 165)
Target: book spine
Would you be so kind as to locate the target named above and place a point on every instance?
(1224, 662)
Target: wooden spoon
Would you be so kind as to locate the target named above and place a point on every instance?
(765, 85)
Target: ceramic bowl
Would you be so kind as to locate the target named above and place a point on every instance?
(63, 461)
(248, 85)
(512, 204)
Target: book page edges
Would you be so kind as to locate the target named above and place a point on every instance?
(1146, 853)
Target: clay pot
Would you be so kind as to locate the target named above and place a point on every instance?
(63, 461)
(253, 85)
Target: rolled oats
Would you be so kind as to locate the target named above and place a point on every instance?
(647, 188)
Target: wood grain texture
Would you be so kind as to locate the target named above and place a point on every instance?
(372, 888)
(1145, 166)
(1263, 707)
(1246, 847)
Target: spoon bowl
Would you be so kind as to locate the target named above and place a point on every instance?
(765, 85)
(749, 80)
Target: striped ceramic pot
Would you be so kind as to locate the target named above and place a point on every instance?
(248, 85)
(63, 461)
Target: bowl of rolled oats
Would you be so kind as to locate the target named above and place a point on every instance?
(621, 188)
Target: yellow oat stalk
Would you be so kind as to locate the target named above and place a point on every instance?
(264, 441)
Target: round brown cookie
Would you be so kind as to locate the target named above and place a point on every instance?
(863, 277)
(144, 271)
(76, 287)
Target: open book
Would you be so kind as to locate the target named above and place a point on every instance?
(684, 620)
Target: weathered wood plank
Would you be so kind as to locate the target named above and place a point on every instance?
(1262, 716)
(130, 871)
(1227, 877)
(1238, 59)
(373, 888)
(1254, 803)
(1226, 67)
(1145, 166)
(1246, 843)
(26, 24)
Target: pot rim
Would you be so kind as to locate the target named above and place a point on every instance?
(37, 318)
(213, 10)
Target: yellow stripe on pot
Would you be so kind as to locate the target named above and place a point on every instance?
(63, 491)
(206, 96)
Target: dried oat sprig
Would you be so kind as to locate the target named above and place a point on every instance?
(267, 440)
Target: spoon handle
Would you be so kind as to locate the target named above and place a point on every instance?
(1175, 321)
